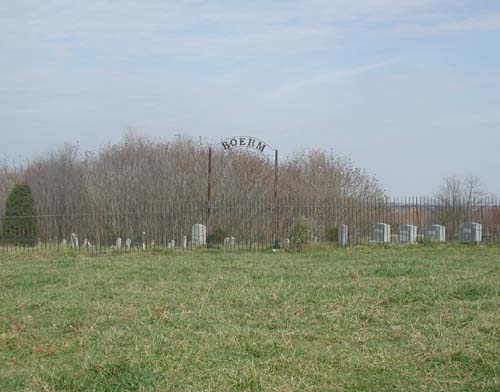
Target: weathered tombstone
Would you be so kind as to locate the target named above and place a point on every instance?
(343, 235)
(184, 242)
(226, 241)
(232, 241)
(407, 233)
(143, 240)
(435, 233)
(199, 235)
(381, 233)
(118, 243)
(172, 244)
(287, 242)
(128, 243)
(74, 241)
(470, 232)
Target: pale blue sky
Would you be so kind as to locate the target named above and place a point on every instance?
(409, 89)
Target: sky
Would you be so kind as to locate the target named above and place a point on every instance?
(409, 89)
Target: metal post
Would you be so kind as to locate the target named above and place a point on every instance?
(209, 191)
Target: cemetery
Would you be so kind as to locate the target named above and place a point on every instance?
(120, 291)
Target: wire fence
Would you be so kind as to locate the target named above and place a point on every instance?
(256, 225)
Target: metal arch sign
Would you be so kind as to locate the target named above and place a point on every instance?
(248, 142)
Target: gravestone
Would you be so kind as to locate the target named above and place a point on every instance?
(118, 243)
(184, 242)
(407, 233)
(74, 241)
(226, 241)
(232, 241)
(470, 232)
(435, 233)
(143, 240)
(343, 235)
(199, 235)
(381, 233)
(128, 243)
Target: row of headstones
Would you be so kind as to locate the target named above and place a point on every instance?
(198, 236)
(469, 232)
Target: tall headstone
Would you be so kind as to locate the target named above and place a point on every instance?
(226, 241)
(381, 233)
(118, 243)
(343, 235)
(199, 235)
(407, 233)
(128, 243)
(184, 242)
(74, 241)
(470, 232)
(143, 240)
(435, 233)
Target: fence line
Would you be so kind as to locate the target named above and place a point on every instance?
(259, 224)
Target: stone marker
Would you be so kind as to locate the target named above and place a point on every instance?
(470, 232)
(407, 233)
(226, 241)
(343, 235)
(381, 233)
(118, 243)
(199, 235)
(435, 233)
(143, 240)
(184, 242)
(128, 243)
(232, 241)
(74, 241)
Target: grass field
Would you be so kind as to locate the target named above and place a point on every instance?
(361, 319)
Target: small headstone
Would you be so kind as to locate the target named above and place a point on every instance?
(143, 240)
(287, 242)
(381, 233)
(74, 241)
(470, 232)
(343, 235)
(435, 233)
(184, 242)
(232, 241)
(407, 233)
(172, 244)
(226, 241)
(199, 235)
(128, 243)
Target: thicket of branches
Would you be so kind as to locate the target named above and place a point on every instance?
(139, 174)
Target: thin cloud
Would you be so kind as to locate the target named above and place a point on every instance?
(329, 77)
(483, 23)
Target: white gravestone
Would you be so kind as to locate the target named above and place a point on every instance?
(184, 242)
(343, 235)
(381, 233)
(407, 233)
(74, 241)
(199, 235)
(128, 243)
(118, 243)
(470, 232)
(435, 233)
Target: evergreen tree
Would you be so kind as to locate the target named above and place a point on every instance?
(18, 225)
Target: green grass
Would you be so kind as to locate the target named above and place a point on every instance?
(361, 319)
